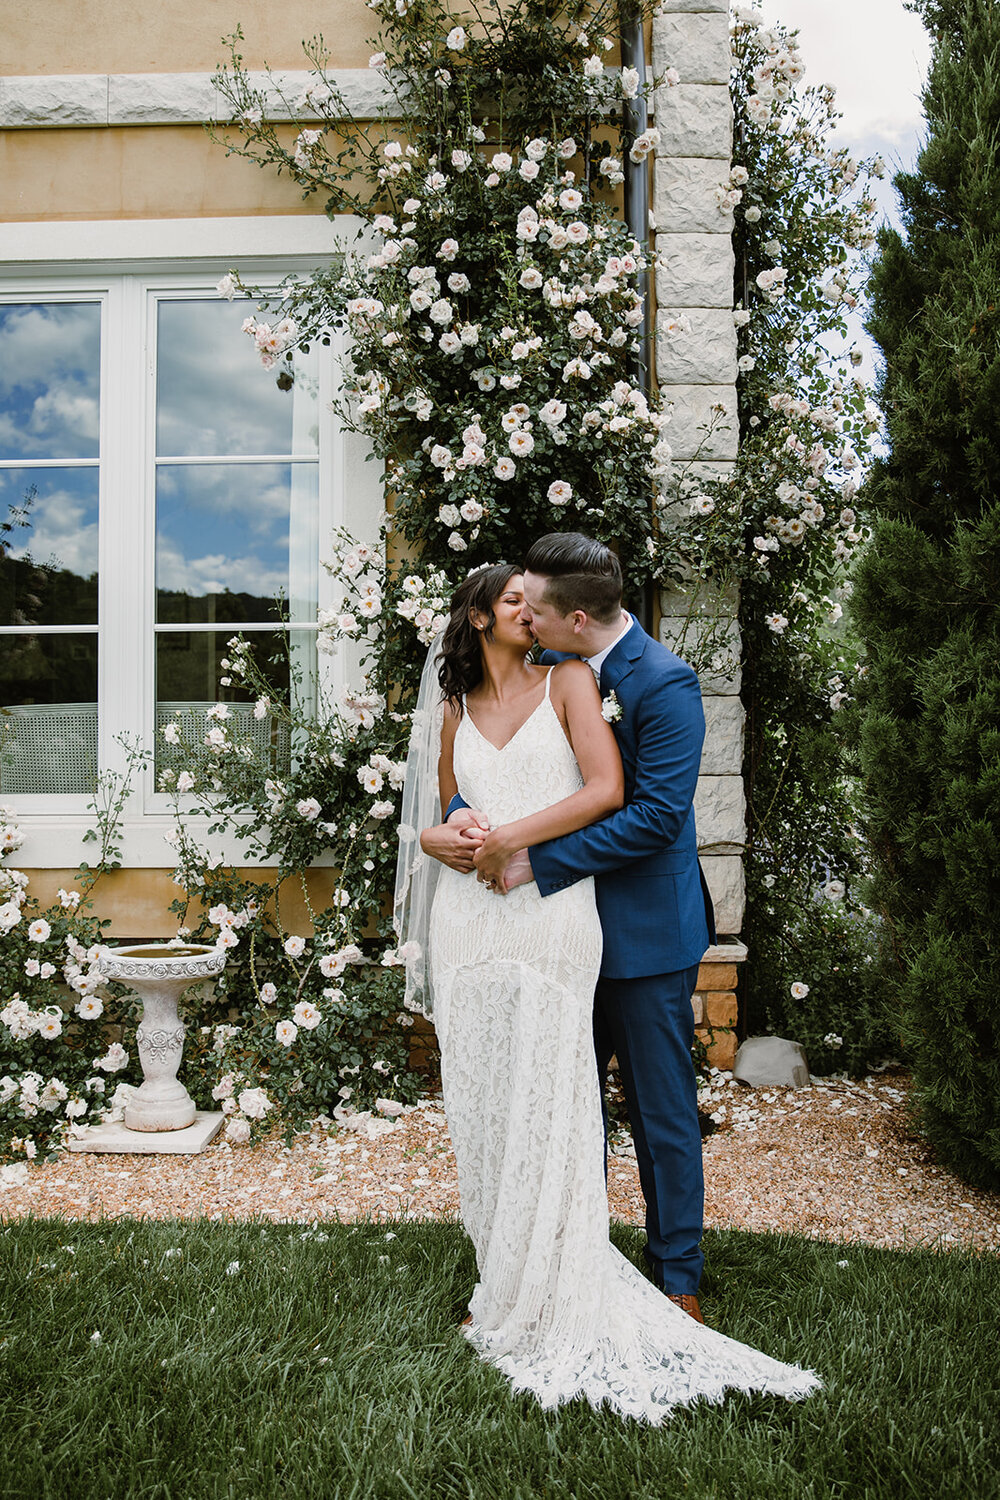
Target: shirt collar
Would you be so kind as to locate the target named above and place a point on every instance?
(595, 663)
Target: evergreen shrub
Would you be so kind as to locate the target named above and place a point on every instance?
(927, 599)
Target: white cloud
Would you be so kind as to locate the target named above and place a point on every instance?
(41, 343)
(49, 379)
(874, 53)
(65, 411)
(60, 533)
(215, 396)
(214, 572)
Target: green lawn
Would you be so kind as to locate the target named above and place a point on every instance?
(329, 1365)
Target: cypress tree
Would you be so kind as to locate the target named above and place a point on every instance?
(927, 598)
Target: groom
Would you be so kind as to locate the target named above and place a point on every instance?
(655, 909)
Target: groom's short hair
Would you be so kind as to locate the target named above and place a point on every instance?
(580, 572)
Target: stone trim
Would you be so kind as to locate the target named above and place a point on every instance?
(720, 813)
(684, 195)
(82, 243)
(696, 370)
(704, 7)
(703, 45)
(61, 101)
(56, 101)
(703, 418)
(726, 882)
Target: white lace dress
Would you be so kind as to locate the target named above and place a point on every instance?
(557, 1308)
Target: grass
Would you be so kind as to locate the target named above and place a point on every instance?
(329, 1365)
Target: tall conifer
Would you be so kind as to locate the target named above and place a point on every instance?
(927, 597)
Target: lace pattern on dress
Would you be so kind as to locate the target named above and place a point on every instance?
(556, 1307)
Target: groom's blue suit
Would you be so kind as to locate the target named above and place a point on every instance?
(656, 914)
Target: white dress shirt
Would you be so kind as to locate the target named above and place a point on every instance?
(595, 663)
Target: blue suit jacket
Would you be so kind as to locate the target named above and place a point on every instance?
(654, 903)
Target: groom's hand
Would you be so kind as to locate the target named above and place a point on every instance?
(455, 843)
(499, 866)
(519, 871)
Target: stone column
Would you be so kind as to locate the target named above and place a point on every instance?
(696, 371)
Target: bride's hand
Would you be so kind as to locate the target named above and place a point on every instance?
(492, 858)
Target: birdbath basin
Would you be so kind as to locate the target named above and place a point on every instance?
(159, 973)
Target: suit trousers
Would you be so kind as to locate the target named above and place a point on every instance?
(649, 1024)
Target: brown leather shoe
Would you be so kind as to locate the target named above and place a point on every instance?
(687, 1302)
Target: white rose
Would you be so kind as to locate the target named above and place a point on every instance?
(237, 1130)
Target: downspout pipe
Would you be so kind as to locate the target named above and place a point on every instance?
(635, 117)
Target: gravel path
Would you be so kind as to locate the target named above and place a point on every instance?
(835, 1161)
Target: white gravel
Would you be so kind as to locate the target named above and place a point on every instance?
(836, 1162)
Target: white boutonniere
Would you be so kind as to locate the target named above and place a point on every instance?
(611, 709)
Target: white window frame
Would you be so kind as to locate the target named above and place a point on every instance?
(127, 265)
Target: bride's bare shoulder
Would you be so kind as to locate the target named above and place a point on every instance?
(572, 675)
(451, 718)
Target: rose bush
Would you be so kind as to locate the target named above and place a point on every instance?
(60, 1025)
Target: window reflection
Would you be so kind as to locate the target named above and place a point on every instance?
(213, 395)
(48, 714)
(231, 537)
(48, 546)
(49, 379)
(188, 671)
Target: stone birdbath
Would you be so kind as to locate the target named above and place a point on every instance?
(159, 973)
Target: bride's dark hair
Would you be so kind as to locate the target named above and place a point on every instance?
(461, 666)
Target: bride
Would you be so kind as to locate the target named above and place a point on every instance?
(511, 980)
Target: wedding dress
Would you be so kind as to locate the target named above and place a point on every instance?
(557, 1308)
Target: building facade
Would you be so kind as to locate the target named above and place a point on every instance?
(168, 486)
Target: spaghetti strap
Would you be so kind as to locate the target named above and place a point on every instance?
(548, 681)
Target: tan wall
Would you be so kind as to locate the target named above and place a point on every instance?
(136, 172)
(175, 36)
(138, 901)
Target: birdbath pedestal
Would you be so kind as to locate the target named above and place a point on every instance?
(159, 973)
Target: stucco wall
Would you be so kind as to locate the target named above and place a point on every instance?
(139, 172)
(137, 902)
(175, 36)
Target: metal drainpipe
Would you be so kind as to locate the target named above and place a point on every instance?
(635, 120)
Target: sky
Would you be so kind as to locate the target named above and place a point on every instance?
(875, 53)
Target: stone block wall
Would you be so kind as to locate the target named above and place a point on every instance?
(714, 1002)
(696, 371)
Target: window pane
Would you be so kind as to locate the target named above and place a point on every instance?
(230, 537)
(48, 713)
(214, 395)
(50, 365)
(188, 669)
(48, 546)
